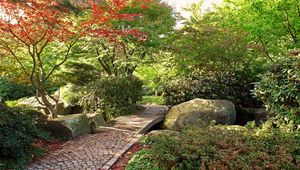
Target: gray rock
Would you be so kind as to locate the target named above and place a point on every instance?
(198, 111)
(63, 109)
(97, 118)
(68, 127)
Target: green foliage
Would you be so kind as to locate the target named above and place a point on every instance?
(219, 148)
(13, 91)
(272, 25)
(279, 88)
(157, 20)
(114, 96)
(235, 88)
(122, 56)
(159, 100)
(204, 44)
(71, 94)
(155, 72)
(14, 103)
(212, 62)
(79, 73)
(17, 133)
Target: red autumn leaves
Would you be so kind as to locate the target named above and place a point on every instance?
(32, 22)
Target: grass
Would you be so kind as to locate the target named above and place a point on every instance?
(14, 103)
(159, 100)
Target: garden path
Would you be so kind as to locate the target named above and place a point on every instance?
(101, 150)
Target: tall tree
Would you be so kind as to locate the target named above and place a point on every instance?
(272, 26)
(129, 41)
(31, 27)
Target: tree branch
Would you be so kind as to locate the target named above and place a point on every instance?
(265, 49)
(292, 31)
(102, 62)
(63, 61)
(15, 57)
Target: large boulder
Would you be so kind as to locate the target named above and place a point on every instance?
(63, 109)
(68, 127)
(199, 111)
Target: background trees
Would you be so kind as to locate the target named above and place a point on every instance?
(122, 49)
(272, 25)
(29, 29)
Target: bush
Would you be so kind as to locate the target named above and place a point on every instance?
(219, 148)
(71, 94)
(13, 91)
(232, 87)
(114, 96)
(279, 88)
(17, 133)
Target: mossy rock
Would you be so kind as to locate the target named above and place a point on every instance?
(68, 127)
(199, 111)
(63, 109)
(97, 118)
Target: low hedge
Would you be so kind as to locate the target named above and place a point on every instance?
(114, 96)
(17, 133)
(219, 148)
(13, 91)
(227, 86)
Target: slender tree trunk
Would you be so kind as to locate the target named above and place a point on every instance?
(51, 105)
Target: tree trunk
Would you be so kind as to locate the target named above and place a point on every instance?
(48, 102)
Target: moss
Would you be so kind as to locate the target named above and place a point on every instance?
(191, 112)
(69, 126)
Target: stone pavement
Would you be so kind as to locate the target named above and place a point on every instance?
(139, 123)
(101, 150)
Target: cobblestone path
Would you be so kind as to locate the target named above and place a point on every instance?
(100, 150)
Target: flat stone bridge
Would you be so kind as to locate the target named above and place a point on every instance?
(102, 150)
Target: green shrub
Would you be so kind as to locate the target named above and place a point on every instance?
(13, 91)
(114, 96)
(232, 87)
(71, 94)
(279, 88)
(219, 147)
(17, 133)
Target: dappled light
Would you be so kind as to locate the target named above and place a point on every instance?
(149, 84)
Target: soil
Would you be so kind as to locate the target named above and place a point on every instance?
(122, 161)
(49, 146)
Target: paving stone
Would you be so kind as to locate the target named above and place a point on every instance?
(89, 149)
(100, 150)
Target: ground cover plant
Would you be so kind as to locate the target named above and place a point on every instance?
(18, 131)
(219, 148)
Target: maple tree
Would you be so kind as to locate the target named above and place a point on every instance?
(124, 44)
(33, 25)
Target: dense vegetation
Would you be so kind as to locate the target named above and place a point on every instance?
(18, 130)
(114, 96)
(219, 147)
(13, 91)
